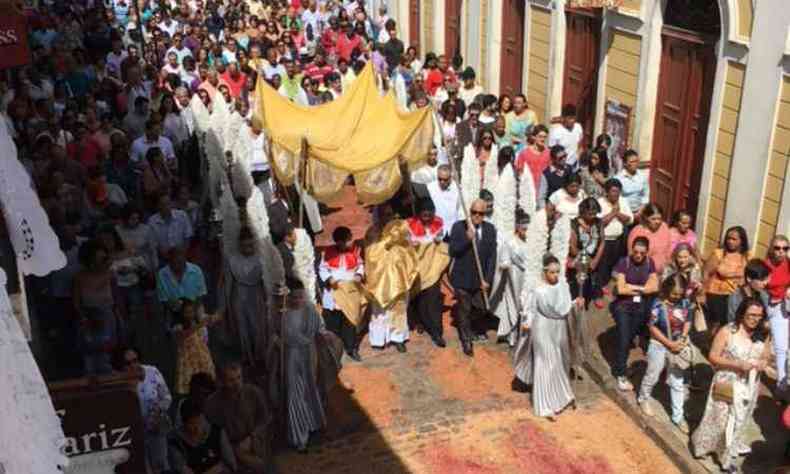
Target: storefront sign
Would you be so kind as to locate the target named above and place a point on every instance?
(103, 427)
(14, 50)
(595, 3)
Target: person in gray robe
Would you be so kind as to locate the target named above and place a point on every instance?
(301, 327)
(542, 358)
(509, 282)
(246, 330)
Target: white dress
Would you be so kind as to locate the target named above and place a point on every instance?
(31, 437)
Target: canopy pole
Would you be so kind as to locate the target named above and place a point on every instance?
(303, 180)
(478, 266)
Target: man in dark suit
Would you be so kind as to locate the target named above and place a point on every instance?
(464, 276)
(468, 130)
(286, 249)
(279, 216)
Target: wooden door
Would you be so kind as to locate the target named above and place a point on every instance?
(684, 94)
(580, 82)
(512, 56)
(414, 24)
(452, 27)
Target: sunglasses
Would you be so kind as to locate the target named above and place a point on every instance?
(783, 248)
(478, 213)
(443, 180)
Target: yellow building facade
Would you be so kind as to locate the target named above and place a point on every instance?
(706, 104)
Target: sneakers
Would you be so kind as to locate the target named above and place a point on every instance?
(682, 426)
(647, 408)
(624, 385)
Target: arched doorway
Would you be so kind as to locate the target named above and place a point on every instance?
(580, 79)
(685, 87)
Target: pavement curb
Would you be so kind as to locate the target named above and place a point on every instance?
(676, 451)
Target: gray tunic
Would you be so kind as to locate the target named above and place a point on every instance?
(542, 357)
(305, 410)
(246, 329)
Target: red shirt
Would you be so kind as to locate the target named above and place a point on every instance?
(316, 72)
(536, 163)
(433, 81)
(88, 152)
(236, 85)
(779, 280)
(346, 45)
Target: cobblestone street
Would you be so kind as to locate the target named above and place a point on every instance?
(436, 411)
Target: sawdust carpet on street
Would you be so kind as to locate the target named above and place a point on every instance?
(436, 411)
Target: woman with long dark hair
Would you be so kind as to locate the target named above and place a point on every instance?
(739, 354)
(723, 274)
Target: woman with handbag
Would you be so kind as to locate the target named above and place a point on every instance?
(669, 323)
(740, 352)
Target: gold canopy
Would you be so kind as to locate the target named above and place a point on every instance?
(362, 133)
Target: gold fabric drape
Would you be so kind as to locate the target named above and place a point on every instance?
(350, 299)
(362, 133)
(390, 265)
(432, 261)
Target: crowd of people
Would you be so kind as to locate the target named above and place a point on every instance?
(105, 126)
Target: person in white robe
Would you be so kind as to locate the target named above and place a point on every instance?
(507, 292)
(542, 356)
(445, 196)
(388, 325)
(340, 263)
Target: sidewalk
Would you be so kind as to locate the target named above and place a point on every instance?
(765, 435)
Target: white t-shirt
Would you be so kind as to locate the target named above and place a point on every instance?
(569, 139)
(141, 146)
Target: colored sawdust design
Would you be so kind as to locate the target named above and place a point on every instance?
(597, 429)
(472, 379)
(537, 452)
(442, 459)
(374, 390)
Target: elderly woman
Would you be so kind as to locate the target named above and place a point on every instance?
(740, 352)
(542, 356)
(778, 288)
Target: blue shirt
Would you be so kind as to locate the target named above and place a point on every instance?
(175, 231)
(191, 286)
(636, 189)
(676, 316)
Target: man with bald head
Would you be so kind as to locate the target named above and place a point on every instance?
(464, 275)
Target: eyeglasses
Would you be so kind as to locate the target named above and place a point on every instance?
(783, 248)
(477, 213)
(443, 180)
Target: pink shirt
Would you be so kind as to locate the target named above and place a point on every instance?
(660, 244)
(675, 238)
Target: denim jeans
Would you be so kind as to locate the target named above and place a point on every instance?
(629, 321)
(656, 361)
(779, 320)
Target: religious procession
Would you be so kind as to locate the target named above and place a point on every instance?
(214, 210)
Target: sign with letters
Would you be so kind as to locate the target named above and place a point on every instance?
(14, 49)
(103, 427)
